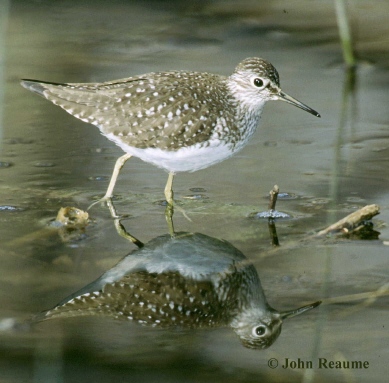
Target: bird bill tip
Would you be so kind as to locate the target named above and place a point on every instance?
(291, 100)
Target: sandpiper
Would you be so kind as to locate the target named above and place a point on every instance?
(178, 120)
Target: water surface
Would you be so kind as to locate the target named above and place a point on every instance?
(330, 166)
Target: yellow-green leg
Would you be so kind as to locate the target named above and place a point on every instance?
(116, 170)
(169, 199)
(169, 189)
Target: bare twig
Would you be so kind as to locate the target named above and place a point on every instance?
(351, 221)
(273, 197)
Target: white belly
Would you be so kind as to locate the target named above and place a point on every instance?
(195, 157)
(187, 159)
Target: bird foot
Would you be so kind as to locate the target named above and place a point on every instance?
(111, 207)
(104, 199)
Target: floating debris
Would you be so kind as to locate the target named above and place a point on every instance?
(354, 223)
(72, 217)
(71, 223)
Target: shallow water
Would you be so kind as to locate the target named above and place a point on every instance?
(330, 167)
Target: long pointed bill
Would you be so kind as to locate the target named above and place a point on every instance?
(285, 97)
(293, 313)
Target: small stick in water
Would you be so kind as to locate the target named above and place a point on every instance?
(352, 220)
(273, 197)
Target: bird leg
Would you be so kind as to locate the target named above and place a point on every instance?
(169, 219)
(169, 189)
(169, 207)
(116, 170)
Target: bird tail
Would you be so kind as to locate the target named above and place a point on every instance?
(37, 86)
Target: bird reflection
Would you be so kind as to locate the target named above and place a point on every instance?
(190, 281)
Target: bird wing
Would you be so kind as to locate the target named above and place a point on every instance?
(168, 110)
(164, 300)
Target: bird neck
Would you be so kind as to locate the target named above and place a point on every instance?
(247, 100)
(247, 112)
(242, 289)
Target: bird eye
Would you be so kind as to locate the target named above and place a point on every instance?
(260, 330)
(258, 82)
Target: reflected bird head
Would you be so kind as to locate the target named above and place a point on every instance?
(258, 329)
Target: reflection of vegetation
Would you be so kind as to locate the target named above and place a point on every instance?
(344, 33)
(3, 32)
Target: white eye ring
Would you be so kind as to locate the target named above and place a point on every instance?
(259, 82)
(259, 331)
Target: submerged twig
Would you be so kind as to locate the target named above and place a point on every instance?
(273, 232)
